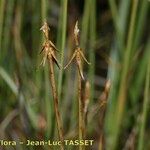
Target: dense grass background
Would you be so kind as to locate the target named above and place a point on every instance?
(115, 38)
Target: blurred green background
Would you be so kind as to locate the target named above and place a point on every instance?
(114, 35)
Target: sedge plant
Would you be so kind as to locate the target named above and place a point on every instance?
(49, 53)
(78, 56)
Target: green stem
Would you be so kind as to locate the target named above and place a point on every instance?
(140, 24)
(2, 6)
(85, 24)
(47, 100)
(7, 27)
(124, 77)
(145, 109)
(115, 16)
(64, 24)
(114, 11)
(92, 47)
(43, 10)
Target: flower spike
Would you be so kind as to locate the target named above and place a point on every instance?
(45, 28)
(48, 48)
(78, 54)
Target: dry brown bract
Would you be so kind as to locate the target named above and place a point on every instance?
(78, 54)
(48, 48)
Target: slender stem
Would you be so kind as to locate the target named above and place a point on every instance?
(62, 36)
(43, 10)
(2, 6)
(91, 50)
(145, 109)
(123, 82)
(56, 106)
(113, 7)
(140, 23)
(7, 27)
(64, 24)
(85, 24)
(47, 101)
(80, 122)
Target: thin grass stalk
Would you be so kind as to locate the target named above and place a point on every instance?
(43, 10)
(47, 101)
(114, 11)
(17, 37)
(38, 76)
(140, 24)
(75, 107)
(137, 84)
(59, 29)
(145, 109)
(2, 7)
(67, 105)
(113, 72)
(123, 83)
(63, 40)
(5, 76)
(80, 112)
(92, 47)
(123, 13)
(85, 23)
(36, 39)
(56, 106)
(7, 27)
(19, 51)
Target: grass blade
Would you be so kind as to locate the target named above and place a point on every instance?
(2, 7)
(63, 41)
(123, 83)
(145, 109)
(92, 47)
(8, 80)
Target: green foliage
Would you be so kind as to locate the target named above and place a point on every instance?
(121, 30)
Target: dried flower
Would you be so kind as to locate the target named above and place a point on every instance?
(78, 54)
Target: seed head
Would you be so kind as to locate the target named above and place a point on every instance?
(78, 54)
(45, 28)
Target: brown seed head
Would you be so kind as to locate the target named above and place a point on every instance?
(45, 28)
(104, 96)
